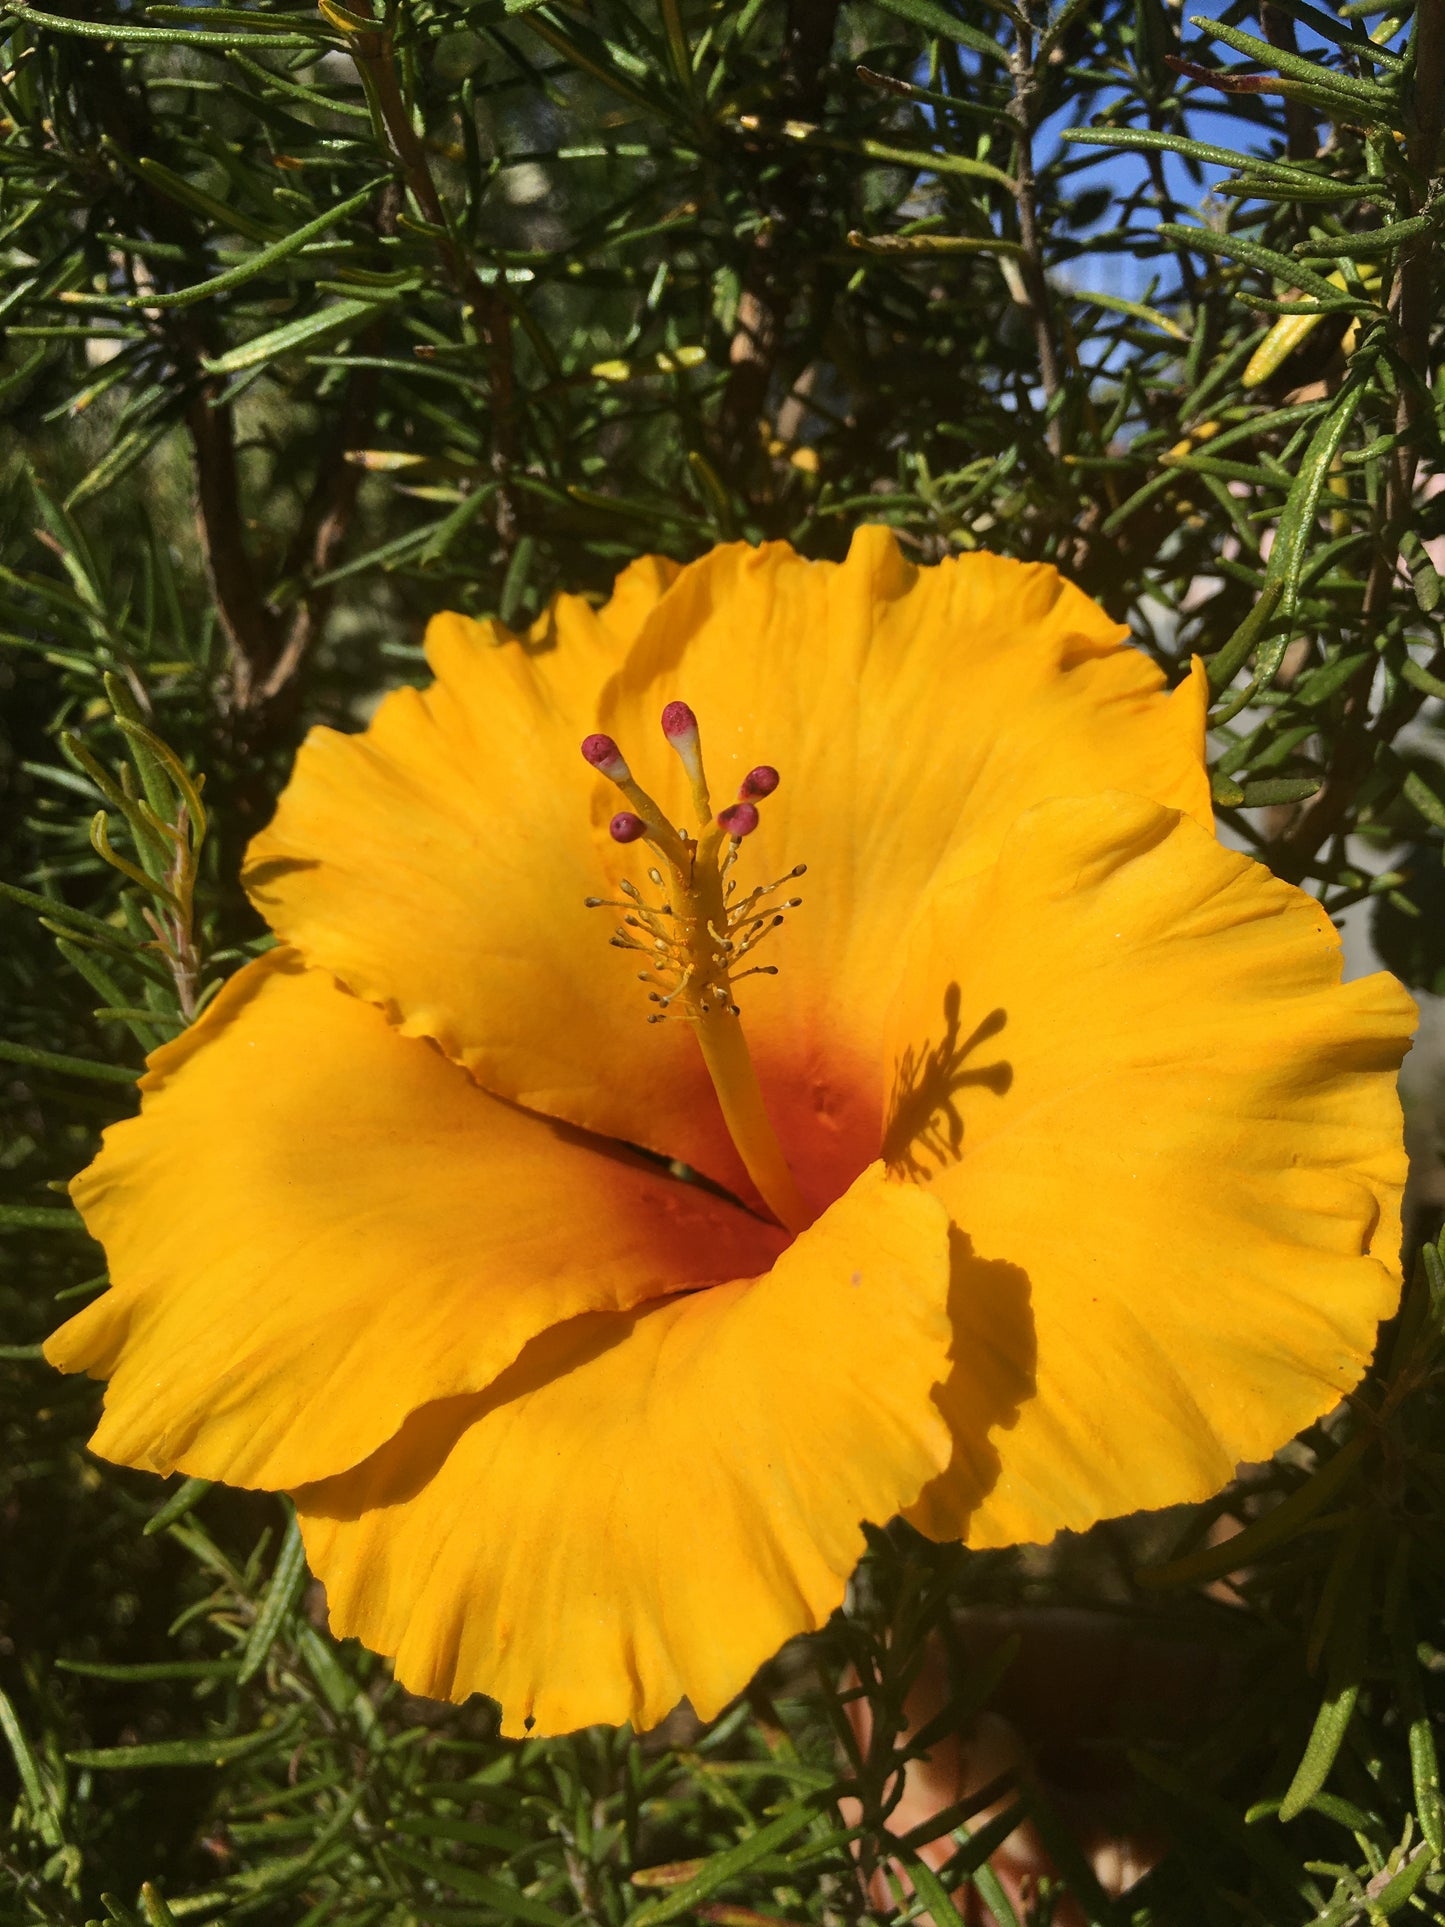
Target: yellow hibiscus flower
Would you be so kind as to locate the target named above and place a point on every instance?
(1054, 1172)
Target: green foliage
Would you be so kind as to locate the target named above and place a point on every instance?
(318, 321)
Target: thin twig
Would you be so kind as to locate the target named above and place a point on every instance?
(331, 505)
(1023, 109)
(770, 276)
(248, 625)
(375, 58)
(263, 651)
(190, 337)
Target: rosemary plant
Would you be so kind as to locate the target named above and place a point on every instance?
(317, 320)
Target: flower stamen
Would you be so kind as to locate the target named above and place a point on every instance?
(607, 759)
(679, 726)
(699, 934)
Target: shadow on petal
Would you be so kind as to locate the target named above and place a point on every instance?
(924, 1127)
(991, 1377)
(273, 869)
(402, 1468)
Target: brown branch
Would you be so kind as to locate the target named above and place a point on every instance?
(263, 650)
(757, 337)
(331, 504)
(374, 55)
(769, 279)
(1022, 111)
(266, 651)
(325, 524)
(248, 625)
(191, 338)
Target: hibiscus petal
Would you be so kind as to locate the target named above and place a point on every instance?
(1171, 1139)
(316, 1225)
(439, 863)
(647, 1506)
(913, 713)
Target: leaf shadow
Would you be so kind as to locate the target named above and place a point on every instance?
(924, 1128)
(994, 1351)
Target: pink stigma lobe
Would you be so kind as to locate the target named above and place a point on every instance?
(738, 819)
(604, 755)
(678, 722)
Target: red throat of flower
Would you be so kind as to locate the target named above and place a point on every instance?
(700, 933)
